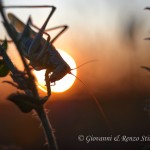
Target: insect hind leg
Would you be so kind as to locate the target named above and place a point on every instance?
(64, 28)
(38, 38)
(27, 31)
(45, 46)
(32, 24)
(47, 80)
(42, 29)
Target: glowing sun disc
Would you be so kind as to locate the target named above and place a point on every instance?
(65, 83)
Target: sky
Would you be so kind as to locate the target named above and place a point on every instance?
(112, 32)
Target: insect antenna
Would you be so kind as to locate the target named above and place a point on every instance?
(93, 60)
(100, 109)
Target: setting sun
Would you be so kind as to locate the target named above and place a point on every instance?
(65, 83)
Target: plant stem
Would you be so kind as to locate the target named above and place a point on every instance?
(40, 111)
(48, 129)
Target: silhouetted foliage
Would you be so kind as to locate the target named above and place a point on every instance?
(29, 98)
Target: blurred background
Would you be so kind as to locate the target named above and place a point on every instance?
(112, 32)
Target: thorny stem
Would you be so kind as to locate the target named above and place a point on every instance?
(48, 129)
(40, 111)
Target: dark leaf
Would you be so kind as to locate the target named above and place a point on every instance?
(4, 70)
(24, 102)
(5, 45)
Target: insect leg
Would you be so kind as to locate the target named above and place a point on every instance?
(38, 38)
(47, 82)
(44, 49)
(64, 28)
(31, 23)
(27, 6)
(33, 6)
